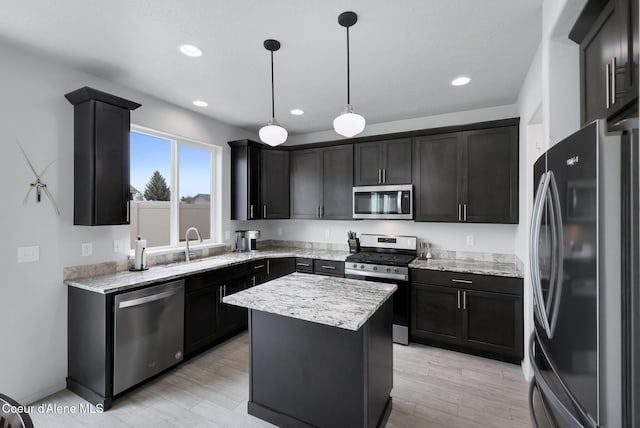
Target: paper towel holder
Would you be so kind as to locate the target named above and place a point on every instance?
(142, 250)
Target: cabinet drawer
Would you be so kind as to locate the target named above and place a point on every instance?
(469, 281)
(206, 279)
(304, 265)
(258, 267)
(328, 267)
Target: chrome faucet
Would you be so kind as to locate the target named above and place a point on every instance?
(187, 253)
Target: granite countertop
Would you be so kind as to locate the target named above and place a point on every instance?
(337, 302)
(469, 266)
(123, 280)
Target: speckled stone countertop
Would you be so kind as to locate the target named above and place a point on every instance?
(338, 302)
(123, 280)
(469, 266)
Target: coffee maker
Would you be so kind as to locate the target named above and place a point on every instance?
(246, 240)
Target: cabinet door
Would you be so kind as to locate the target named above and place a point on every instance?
(200, 318)
(492, 322)
(368, 164)
(275, 184)
(258, 272)
(397, 161)
(253, 180)
(600, 46)
(230, 318)
(337, 168)
(438, 190)
(490, 175)
(434, 313)
(306, 183)
(280, 267)
(111, 197)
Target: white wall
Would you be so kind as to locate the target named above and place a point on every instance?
(33, 300)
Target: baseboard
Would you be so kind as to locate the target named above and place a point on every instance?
(37, 396)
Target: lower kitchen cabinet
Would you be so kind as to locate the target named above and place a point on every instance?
(328, 267)
(478, 314)
(265, 270)
(200, 308)
(230, 318)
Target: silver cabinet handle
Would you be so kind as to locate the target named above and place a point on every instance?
(220, 294)
(267, 267)
(458, 293)
(303, 264)
(465, 212)
(321, 211)
(250, 211)
(258, 267)
(464, 300)
(464, 281)
(459, 212)
(253, 281)
(128, 210)
(328, 267)
(264, 211)
(613, 80)
(607, 84)
(384, 175)
(379, 176)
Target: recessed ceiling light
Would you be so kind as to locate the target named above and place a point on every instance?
(200, 103)
(460, 81)
(297, 112)
(191, 50)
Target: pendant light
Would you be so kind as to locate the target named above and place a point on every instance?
(348, 123)
(272, 134)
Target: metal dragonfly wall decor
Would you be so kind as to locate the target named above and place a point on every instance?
(38, 185)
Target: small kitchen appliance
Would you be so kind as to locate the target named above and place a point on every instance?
(246, 240)
(386, 258)
(252, 239)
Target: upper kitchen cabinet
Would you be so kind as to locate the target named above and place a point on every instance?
(259, 181)
(607, 32)
(321, 183)
(245, 180)
(101, 157)
(469, 176)
(275, 184)
(382, 162)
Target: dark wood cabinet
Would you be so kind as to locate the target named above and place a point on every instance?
(469, 176)
(321, 183)
(245, 180)
(200, 307)
(490, 175)
(607, 32)
(230, 318)
(437, 177)
(101, 157)
(280, 267)
(304, 265)
(478, 314)
(275, 184)
(328, 267)
(384, 162)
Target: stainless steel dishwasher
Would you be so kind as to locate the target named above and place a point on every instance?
(148, 333)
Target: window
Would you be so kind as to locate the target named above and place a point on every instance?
(172, 188)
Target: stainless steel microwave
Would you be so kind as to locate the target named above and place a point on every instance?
(383, 202)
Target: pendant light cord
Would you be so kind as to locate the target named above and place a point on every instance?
(348, 71)
(273, 104)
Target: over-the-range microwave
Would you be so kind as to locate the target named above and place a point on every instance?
(383, 202)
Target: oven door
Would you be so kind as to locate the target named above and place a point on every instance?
(401, 305)
(383, 202)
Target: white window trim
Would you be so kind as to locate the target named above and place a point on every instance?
(215, 241)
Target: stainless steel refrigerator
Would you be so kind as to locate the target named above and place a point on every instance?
(579, 228)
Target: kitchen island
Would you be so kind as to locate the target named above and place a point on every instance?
(320, 351)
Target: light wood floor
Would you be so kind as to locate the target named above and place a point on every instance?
(432, 388)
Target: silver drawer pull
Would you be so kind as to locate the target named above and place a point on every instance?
(146, 299)
(328, 267)
(303, 264)
(258, 267)
(464, 281)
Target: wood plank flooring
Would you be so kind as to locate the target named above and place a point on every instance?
(432, 388)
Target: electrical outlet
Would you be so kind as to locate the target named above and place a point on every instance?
(117, 246)
(471, 241)
(87, 249)
(28, 254)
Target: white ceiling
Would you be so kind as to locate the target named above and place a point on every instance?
(403, 53)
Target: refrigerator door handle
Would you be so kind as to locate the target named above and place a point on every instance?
(557, 271)
(534, 253)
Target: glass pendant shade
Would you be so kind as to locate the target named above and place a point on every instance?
(273, 134)
(349, 124)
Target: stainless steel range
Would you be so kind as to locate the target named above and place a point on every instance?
(386, 258)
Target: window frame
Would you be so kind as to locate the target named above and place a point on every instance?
(215, 209)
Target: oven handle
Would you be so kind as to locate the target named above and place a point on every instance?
(391, 276)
